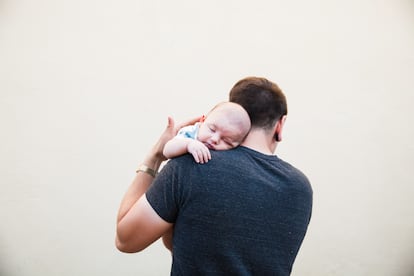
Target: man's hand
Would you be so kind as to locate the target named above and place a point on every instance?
(199, 151)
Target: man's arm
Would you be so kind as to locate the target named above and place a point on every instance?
(138, 225)
(167, 238)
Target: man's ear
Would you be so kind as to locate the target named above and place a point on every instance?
(279, 128)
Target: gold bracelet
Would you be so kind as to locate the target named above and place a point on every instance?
(146, 169)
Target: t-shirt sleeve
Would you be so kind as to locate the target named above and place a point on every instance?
(161, 194)
(188, 132)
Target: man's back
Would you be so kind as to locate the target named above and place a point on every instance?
(242, 213)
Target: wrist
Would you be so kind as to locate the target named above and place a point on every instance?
(145, 169)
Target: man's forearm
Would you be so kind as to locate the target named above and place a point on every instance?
(139, 185)
(134, 209)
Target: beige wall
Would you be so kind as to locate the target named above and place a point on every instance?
(86, 86)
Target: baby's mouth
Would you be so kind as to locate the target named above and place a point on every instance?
(210, 146)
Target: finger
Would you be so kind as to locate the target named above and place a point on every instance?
(201, 157)
(195, 156)
(207, 156)
(205, 159)
(170, 123)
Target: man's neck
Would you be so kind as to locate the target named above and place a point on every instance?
(260, 141)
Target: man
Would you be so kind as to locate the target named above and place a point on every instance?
(245, 212)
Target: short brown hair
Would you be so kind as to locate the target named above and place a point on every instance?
(263, 100)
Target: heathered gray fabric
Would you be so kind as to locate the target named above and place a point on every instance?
(242, 213)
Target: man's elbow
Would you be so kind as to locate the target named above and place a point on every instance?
(127, 247)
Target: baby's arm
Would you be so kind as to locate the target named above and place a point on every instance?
(180, 145)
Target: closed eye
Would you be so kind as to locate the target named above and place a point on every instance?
(212, 128)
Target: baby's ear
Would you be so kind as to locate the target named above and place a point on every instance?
(203, 118)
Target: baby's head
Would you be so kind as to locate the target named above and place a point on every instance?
(225, 126)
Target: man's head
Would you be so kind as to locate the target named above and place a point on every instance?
(225, 126)
(263, 100)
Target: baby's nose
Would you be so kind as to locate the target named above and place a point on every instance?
(215, 138)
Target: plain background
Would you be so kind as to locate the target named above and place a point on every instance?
(86, 87)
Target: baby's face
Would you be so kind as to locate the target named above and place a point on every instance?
(219, 132)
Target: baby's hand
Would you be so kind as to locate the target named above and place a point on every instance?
(199, 151)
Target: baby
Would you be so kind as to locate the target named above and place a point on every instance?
(224, 127)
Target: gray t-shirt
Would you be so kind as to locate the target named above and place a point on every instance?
(242, 213)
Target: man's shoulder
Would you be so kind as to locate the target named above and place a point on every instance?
(181, 160)
(228, 154)
(297, 176)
